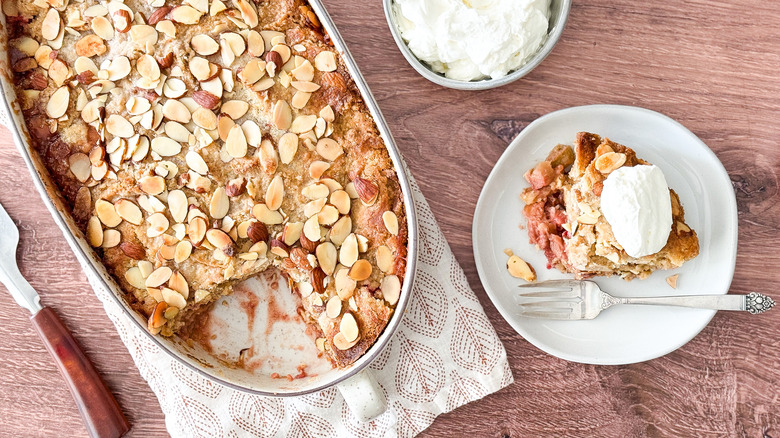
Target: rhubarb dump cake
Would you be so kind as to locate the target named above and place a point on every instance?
(201, 142)
(598, 209)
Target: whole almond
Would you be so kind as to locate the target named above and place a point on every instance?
(307, 244)
(257, 232)
(206, 99)
(366, 190)
(165, 61)
(159, 15)
(133, 250)
(86, 77)
(317, 278)
(274, 58)
(122, 21)
(38, 81)
(235, 187)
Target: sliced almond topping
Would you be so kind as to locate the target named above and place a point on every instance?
(313, 207)
(345, 286)
(165, 147)
(348, 327)
(348, 254)
(142, 34)
(158, 224)
(311, 229)
(328, 215)
(253, 71)
(204, 45)
(153, 185)
(269, 160)
(300, 99)
(119, 126)
(219, 204)
(340, 199)
(103, 28)
(173, 298)
(327, 256)
(158, 277)
(178, 283)
(682, 228)
(303, 123)
(185, 14)
(235, 108)
(196, 162)
(248, 13)
(360, 270)
(58, 103)
(133, 276)
(129, 211)
(80, 166)
(325, 61)
(283, 115)
(391, 289)
(111, 238)
(235, 143)
(157, 318)
(327, 114)
(224, 125)
(107, 213)
(518, 268)
(329, 149)
(94, 232)
(316, 191)
(220, 240)
(672, 280)
(288, 146)
(200, 68)
(265, 215)
(196, 230)
(341, 230)
(50, 27)
(609, 162)
(333, 307)
(318, 168)
(90, 45)
(384, 258)
(391, 222)
(275, 194)
(255, 43)
(178, 204)
(292, 232)
(340, 342)
(175, 110)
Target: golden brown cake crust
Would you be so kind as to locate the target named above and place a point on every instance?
(201, 143)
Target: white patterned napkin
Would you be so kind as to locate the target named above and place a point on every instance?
(444, 354)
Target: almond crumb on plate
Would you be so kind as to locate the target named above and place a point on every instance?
(519, 268)
(672, 280)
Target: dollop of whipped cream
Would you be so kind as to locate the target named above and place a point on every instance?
(636, 203)
(473, 39)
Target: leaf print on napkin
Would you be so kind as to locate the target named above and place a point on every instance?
(420, 372)
(306, 425)
(475, 345)
(462, 390)
(195, 382)
(260, 416)
(197, 418)
(411, 421)
(427, 310)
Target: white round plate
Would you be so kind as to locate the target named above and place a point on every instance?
(623, 334)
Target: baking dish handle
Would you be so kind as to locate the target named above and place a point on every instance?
(363, 395)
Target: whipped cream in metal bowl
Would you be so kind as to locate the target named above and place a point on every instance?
(637, 205)
(473, 39)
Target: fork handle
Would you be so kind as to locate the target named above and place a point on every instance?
(98, 407)
(752, 302)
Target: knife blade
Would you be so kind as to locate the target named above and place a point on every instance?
(20, 289)
(98, 408)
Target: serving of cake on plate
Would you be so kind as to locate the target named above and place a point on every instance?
(598, 209)
(199, 143)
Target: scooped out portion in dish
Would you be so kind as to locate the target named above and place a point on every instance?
(200, 144)
(598, 209)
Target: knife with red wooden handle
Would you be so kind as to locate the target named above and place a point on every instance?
(98, 408)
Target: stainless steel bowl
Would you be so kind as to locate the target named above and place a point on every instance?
(559, 13)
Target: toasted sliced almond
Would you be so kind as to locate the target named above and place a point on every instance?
(158, 224)
(235, 143)
(348, 254)
(165, 147)
(219, 204)
(196, 162)
(283, 115)
(50, 27)
(173, 298)
(80, 166)
(316, 191)
(672, 280)
(94, 232)
(111, 238)
(518, 268)
(341, 230)
(288, 146)
(235, 108)
(313, 207)
(340, 342)
(119, 126)
(274, 195)
(269, 160)
(175, 110)
(328, 215)
(300, 99)
(609, 162)
(303, 123)
(391, 289)
(196, 230)
(329, 149)
(325, 61)
(270, 217)
(58, 103)
(327, 114)
(391, 222)
(327, 257)
(185, 14)
(107, 214)
(318, 168)
(158, 277)
(311, 229)
(204, 45)
(360, 270)
(340, 199)
(384, 258)
(348, 327)
(133, 276)
(178, 283)
(129, 211)
(153, 185)
(333, 307)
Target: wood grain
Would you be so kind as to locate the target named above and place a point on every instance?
(712, 65)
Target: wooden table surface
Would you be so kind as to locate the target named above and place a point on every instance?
(712, 65)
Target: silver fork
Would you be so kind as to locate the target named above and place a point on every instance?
(576, 299)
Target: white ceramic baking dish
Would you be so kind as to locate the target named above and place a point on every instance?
(361, 392)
